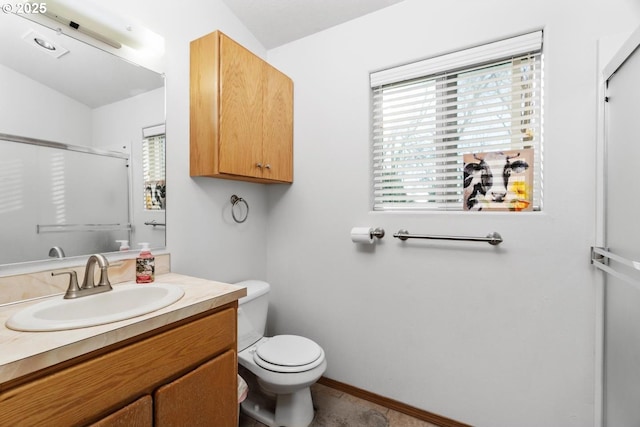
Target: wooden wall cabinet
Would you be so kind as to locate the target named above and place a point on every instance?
(183, 375)
(241, 114)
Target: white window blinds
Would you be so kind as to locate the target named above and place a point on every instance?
(429, 114)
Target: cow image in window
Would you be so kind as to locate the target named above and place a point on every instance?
(499, 180)
(155, 195)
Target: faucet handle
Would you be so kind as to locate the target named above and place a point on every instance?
(73, 288)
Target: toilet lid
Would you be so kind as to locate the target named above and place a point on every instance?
(288, 353)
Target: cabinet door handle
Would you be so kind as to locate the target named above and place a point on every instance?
(259, 165)
(268, 166)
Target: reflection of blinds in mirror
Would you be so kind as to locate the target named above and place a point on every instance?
(153, 167)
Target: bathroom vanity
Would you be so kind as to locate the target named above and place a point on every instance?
(174, 366)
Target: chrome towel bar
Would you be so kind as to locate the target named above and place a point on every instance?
(492, 238)
(600, 259)
(155, 223)
(598, 254)
(59, 228)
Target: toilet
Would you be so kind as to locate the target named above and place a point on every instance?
(285, 366)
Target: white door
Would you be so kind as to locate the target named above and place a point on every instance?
(621, 225)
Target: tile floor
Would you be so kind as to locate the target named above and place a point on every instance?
(337, 409)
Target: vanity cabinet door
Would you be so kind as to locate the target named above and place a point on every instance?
(137, 414)
(206, 396)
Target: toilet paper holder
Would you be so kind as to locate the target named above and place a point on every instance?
(365, 235)
(378, 232)
(366, 232)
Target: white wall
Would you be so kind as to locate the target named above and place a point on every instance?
(489, 336)
(201, 235)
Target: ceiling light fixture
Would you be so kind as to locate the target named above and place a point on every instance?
(43, 43)
(104, 25)
(82, 29)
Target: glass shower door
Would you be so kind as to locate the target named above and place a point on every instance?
(621, 392)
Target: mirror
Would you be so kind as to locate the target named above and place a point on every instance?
(74, 118)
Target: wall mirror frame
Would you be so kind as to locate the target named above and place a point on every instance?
(76, 105)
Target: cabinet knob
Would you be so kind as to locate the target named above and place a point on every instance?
(268, 166)
(259, 165)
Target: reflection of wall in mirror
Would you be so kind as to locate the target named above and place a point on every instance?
(120, 124)
(44, 189)
(30, 109)
(116, 127)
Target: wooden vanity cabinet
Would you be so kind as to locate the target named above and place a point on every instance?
(136, 414)
(241, 114)
(183, 403)
(182, 374)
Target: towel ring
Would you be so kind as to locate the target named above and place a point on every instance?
(235, 200)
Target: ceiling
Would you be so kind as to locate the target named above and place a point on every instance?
(277, 22)
(272, 22)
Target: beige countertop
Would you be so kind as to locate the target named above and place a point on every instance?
(22, 353)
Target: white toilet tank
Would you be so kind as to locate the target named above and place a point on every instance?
(252, 312)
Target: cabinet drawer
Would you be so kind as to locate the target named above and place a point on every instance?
(79, 394)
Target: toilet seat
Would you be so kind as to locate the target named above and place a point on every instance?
(288, 353)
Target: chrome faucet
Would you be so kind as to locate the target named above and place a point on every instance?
(88, 286)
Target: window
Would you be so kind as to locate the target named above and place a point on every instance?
(427, 115)
(153, 168)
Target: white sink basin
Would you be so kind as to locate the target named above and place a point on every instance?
(123, 302)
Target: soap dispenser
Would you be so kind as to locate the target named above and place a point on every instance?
(145, 265)
(124, 245)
